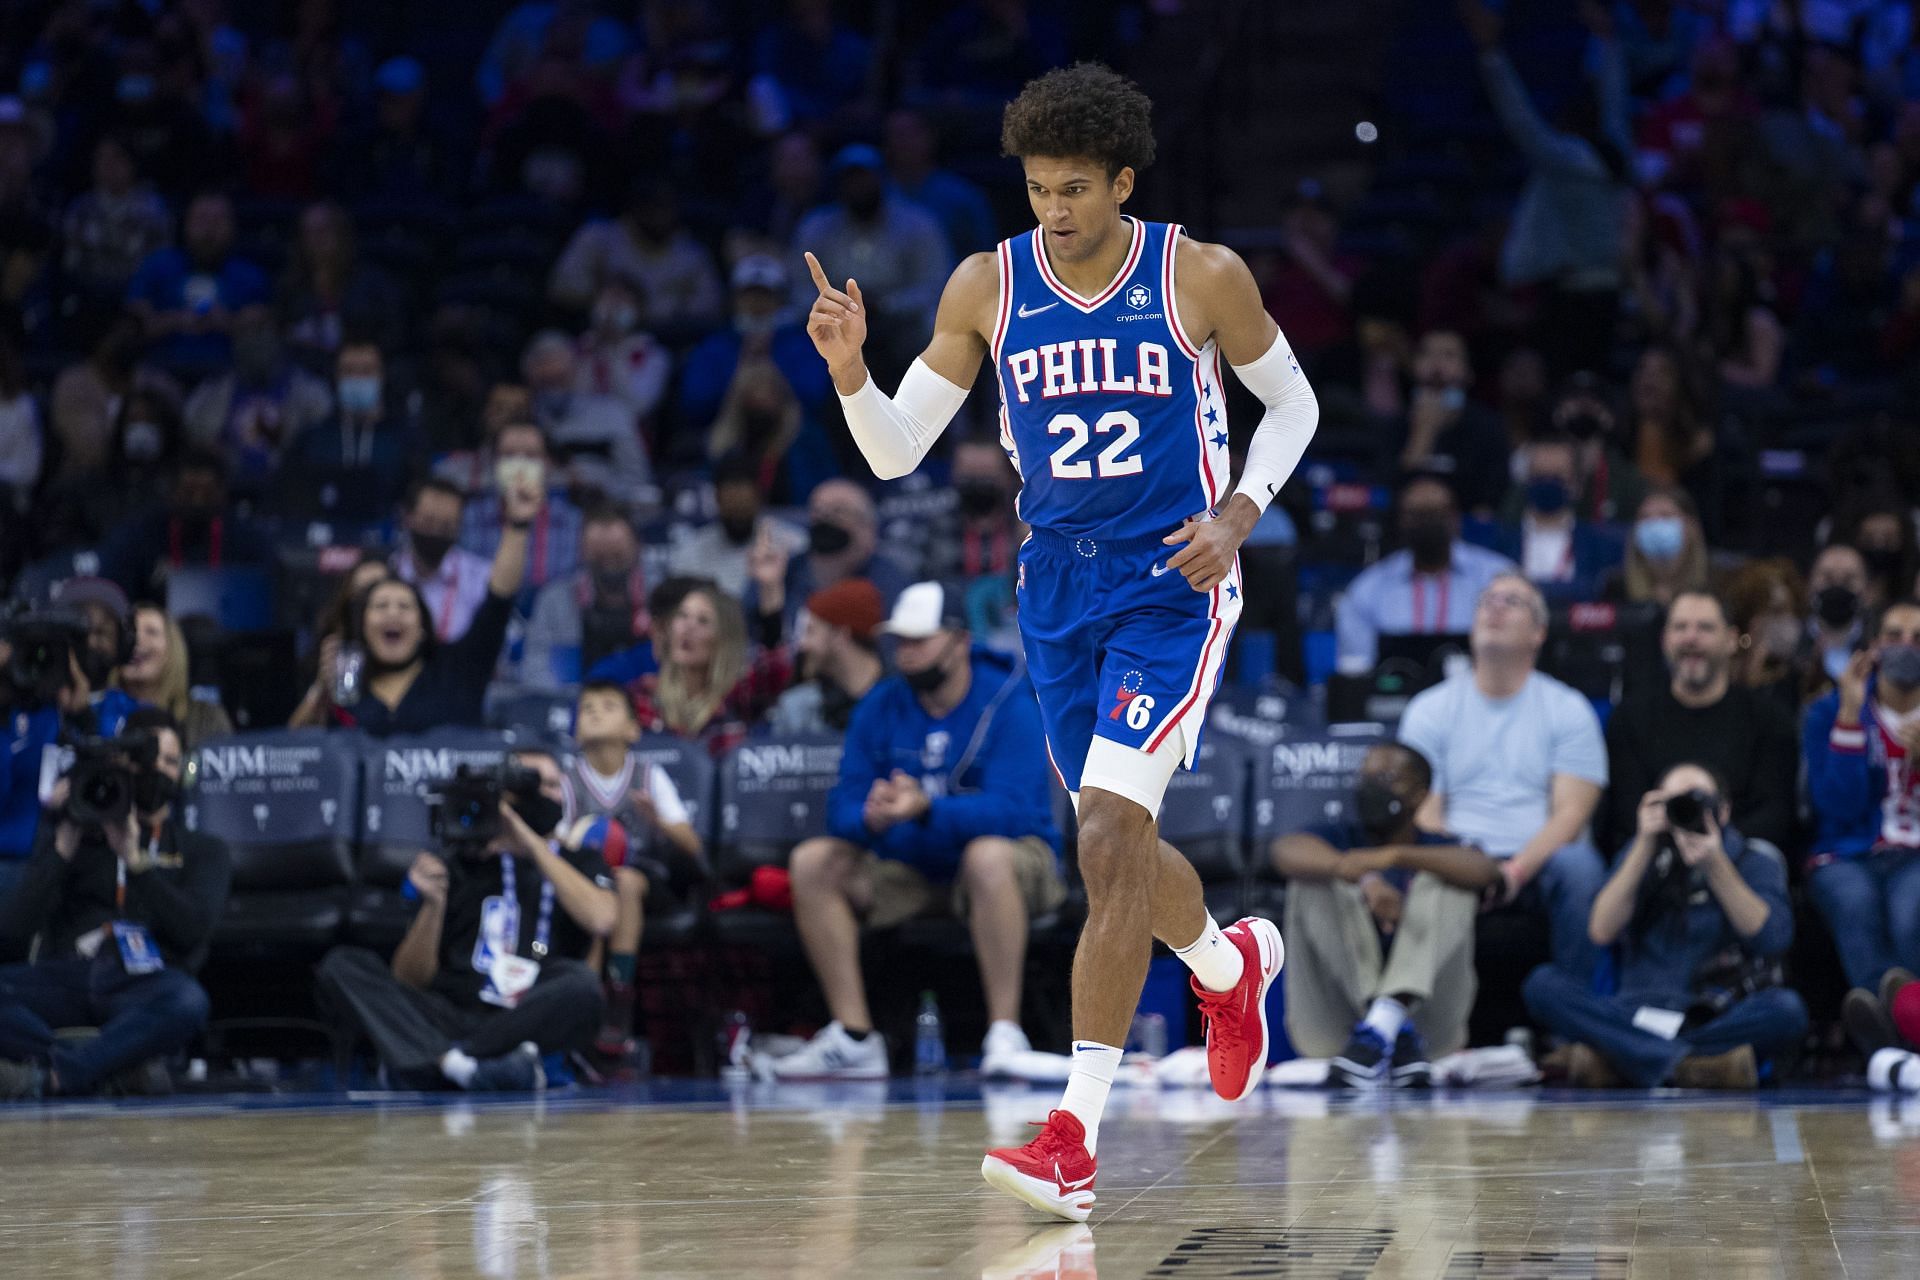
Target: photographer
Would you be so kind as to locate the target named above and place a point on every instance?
(490, 975)
(1701, 915)
(42, 685)
(123, 900)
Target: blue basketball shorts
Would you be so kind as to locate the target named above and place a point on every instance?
(1118, 645)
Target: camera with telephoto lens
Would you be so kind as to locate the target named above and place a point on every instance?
(1688, 811)
(103, 784)
(465, 813)
(40, 664)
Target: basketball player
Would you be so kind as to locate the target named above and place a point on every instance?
(1105, 334)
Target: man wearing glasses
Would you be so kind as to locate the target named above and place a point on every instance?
(1518, 767)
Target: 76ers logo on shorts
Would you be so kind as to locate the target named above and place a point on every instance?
(1130, 686)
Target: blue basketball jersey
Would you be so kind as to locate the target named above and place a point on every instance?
(1113, 417)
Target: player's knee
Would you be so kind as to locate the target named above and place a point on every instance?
(1116, 841)
(820, 864)
(631, 885)
(988, 862)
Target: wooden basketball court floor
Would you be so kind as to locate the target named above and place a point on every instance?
(880, 1181)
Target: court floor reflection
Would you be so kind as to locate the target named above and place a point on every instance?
(880, 1180)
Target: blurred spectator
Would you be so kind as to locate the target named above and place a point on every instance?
(1613, 487)
(123, 915)
(1673, 135)
(1837, 591)
(1560, 553)
(109, 621)
(452, 579)
(365, 445)
(254, 410)
(897, 253)
(1310, 287)
(719, 550)
(110, 229)
(1699, 919)
(1381, 914)
(508, 404)
(428, 1014)
(791, 188)
(980, 53)
(646, 244)
(960, 207)
(144, 443)
(1569, 228)
(1667, 552)
(158, 674)
(1767, 600)
(842, 542)
(758, 332)
(26, 229)
(525, 32)
(1859, 742)
(1427, 588)
(1518, 768)
(823, 69)
(187, 297)
(838, 643)
(1746, 738)
(521, 448)
(1662, 302)
(161, 124)
(22, 438)
(335, 619)
(454, 389)
(548, 142)
(399, 154)
(663, 602)
(759, 423)
(1741, 325)
(194, 526)
(981, 538)
(327, 296)
(1879, 524)
(1521, 391)
(617, 359)
(412, 681)
(942, 805)
(597, 610)
(1812, 143)
(283, 139)
(1446, 434)
(709, 688)
(1671, 444)
(593, 435)
(89, 395)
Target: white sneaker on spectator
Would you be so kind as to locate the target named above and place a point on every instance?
(832, 1054)
(1001, 1051)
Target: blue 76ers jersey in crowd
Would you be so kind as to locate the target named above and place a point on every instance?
(1112, 415)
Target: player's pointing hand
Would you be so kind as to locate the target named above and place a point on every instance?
(838, 322)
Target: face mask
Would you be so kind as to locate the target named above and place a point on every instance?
(1548, 496)
(926, 681)
(542, 813)
(1900, 666)
(430, 548)
(552, 405)
(824, 538)
(1453, 399)
(1661, 537)
(1836, 606)
(739, 530)
(1429, 539)
(1834, 661)
(1585, 426)
(979, 498)
(610, 579)
(508, 472)
(358, 395)
(141, 441)
(1882, 562)
(751, 325)
(614, 317)
(1377, 808)
(154, 791)
(865, 205)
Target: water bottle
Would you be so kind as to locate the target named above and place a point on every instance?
(348, 666)
(929, 1038)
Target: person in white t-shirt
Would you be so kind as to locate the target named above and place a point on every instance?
(645, 830)
(1519, 765)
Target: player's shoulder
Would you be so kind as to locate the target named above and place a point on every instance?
(973, 291)
(1205, 261)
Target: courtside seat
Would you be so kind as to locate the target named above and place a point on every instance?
(1205, 817)
(1299, 783)
(772, 794)
(679, 919)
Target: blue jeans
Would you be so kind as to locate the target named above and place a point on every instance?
(1771, 1021)
(1563, 892)
(140, 1016)
(1872, 908)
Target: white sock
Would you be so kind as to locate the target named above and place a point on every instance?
(1094, 1066)
(458, 1067)
(1215, 961)
(1387, 1016)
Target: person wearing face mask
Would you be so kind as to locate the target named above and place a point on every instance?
(1445, 433)
(452, 579)
(982, 534)
(1702, 714)
(491, 974)
(124, 913)
(596, 435)
(1836, 591)
(618, 359)
(255, 411)
(842, 542)
(1587, 413)
(1562, 554)
(649, 245)
(720, 549)
(193, 527)
(90, 398)
(519, 453)
(838, 643)
(1427, 588)
(1860, 744)
(942, 806)
(364, 454)
(1666, 551)
(1380, 916)
(1881, 528)
(598, 610)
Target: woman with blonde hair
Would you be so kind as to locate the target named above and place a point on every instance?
(709, 688)
(157, 673)
(1667, 552)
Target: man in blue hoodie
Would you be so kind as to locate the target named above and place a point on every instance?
(942, 801)
(1861, 743)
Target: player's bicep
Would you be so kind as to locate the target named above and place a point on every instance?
(1228, 301)
(967, 308)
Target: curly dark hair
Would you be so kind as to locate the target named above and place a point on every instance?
(1083, 110)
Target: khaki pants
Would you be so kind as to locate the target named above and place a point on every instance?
(900, 893)
(1335, 968)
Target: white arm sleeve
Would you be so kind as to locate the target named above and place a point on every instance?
(896, 433)
(1283, 434)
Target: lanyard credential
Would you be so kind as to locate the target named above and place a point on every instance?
(543, 928)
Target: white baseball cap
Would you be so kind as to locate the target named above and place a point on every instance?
(922, 611)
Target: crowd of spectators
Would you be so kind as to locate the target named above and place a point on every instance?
(358, 381)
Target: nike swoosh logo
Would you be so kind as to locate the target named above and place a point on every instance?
(1158, 569)
(1024, 312)
(1060, 1180)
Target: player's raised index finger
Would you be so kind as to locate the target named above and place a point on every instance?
(819, 275)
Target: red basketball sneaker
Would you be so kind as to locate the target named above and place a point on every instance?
(1053, 1173)
(1237, 1019)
